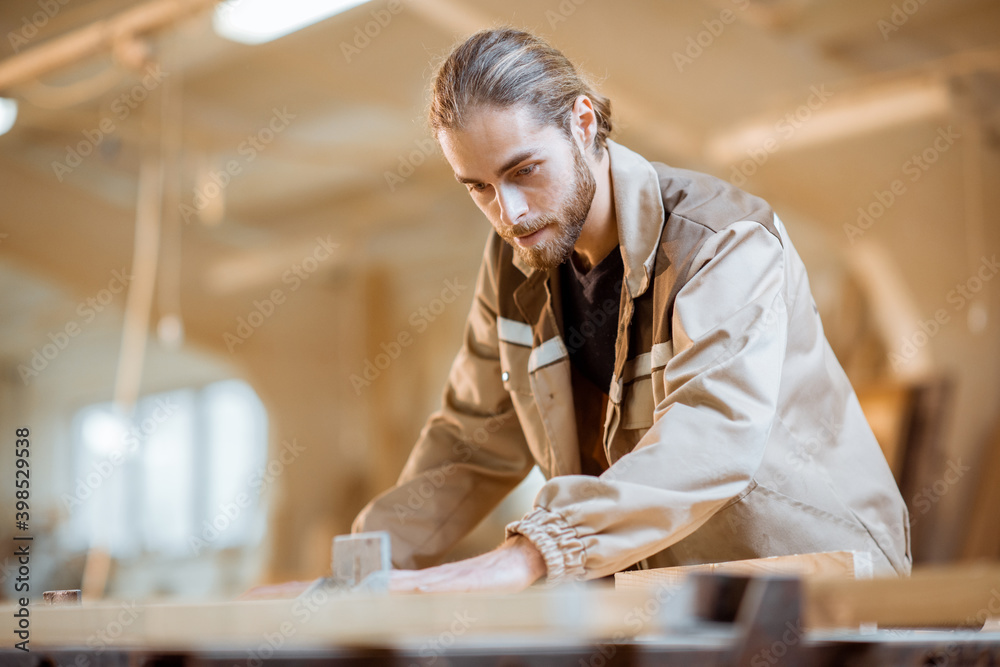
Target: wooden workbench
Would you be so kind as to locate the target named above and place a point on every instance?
(709, 619)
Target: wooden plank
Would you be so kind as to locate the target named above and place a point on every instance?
(827, 563)
(590, 612)
(930, 597)
(951, 597)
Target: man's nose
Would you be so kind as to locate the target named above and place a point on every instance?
(513, 205)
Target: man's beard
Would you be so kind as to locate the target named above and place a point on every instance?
(568, 221)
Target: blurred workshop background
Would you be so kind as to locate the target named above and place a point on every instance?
(234, 268)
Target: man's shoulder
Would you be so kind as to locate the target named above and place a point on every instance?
(693, 198)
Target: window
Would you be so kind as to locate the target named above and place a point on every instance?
(174, 480)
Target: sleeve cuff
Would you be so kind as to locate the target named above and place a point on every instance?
(558, 543)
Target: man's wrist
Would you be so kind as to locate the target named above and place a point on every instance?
(532, 558)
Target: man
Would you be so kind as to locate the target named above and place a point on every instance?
(645, 335)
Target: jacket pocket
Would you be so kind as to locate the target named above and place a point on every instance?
(638, 404)
(514, 368)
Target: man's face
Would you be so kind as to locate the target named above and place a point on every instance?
(530, 180)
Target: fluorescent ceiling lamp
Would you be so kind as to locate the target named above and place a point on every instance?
(8, 114)
(259, 21)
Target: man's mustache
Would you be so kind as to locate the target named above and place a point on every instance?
(525, 230)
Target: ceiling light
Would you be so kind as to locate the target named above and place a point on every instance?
(259, 21)
(8, 114)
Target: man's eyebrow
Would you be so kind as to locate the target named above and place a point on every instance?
(509, 164)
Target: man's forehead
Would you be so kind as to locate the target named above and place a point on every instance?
(491, 138)
(494, 125)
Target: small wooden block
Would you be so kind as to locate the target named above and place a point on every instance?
(62, 597)
(357, 556)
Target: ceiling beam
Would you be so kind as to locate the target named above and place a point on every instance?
(95, 38)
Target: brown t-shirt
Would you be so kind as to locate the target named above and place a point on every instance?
(590, 301)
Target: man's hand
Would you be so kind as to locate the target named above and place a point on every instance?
(289, 589)
(511, 567)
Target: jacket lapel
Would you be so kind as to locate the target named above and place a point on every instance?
(640, 214)
(549, 370)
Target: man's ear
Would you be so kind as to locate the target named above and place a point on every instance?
(584, 123)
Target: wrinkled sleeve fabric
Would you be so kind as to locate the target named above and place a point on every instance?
(709, 432)
(470, 453)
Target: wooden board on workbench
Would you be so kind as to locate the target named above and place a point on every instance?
(847, 564)
(954, 596)
(589, 612)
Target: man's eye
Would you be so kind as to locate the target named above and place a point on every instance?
(524, 171)
(478, 187)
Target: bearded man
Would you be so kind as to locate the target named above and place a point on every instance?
(646, 336)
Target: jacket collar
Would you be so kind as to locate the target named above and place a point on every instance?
(639, 210)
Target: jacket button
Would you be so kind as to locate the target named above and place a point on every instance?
(505, 376)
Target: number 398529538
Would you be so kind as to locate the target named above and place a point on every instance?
(22, 474)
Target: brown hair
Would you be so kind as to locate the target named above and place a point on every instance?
(505, 67)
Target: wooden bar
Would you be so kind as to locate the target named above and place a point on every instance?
(807, 620)
(328, 618)
(956, 596)
(829, 563)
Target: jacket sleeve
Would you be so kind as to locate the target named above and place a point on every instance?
(709, 432)
(470, 454)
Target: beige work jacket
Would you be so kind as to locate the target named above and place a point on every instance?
(731, 429)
